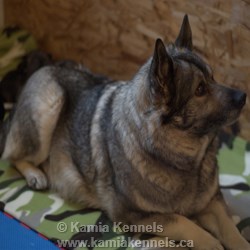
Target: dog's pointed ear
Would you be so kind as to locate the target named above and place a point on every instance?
(184, 39)
(161, 69)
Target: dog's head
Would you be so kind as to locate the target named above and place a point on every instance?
(183, 88)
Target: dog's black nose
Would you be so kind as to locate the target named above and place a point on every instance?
(239, 99)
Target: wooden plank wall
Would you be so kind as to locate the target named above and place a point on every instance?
(115, 37)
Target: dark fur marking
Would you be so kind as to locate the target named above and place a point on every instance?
(80, 127)
(192, 58)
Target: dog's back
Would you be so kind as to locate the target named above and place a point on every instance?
(50, 93)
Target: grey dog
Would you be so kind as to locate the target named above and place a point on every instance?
(143, 151)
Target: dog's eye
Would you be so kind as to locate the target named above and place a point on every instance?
(201, 90)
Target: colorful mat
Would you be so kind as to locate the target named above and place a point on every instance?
(57, 219)
(14, 44)
(24, 238)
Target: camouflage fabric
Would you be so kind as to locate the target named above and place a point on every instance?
(46, 211)
(234, 162)
(14, 44)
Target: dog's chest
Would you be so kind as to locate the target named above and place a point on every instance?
(177, 193)
(195, 196)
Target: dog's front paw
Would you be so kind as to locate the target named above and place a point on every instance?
(37, 181)
(215, 245)
(239, 246)
(208, 243)
(236, 242)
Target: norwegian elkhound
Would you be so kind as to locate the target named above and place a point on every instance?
(144, 151)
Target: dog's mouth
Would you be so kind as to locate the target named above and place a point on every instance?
(225, 116)
(233, 115)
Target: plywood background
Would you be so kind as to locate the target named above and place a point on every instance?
(115, 37)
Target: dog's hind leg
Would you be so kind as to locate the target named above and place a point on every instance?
(31, 126)
(36, 179)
